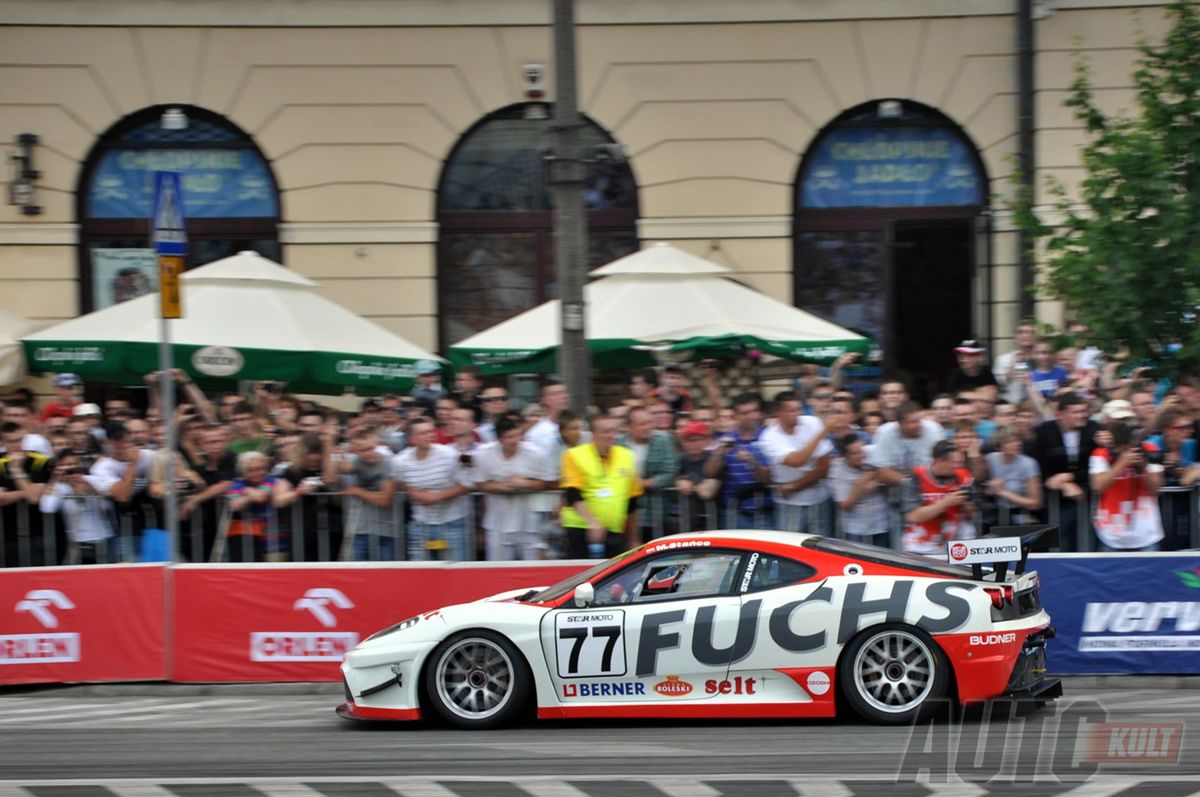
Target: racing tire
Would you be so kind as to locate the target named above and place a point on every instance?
(478, 680)
(893, 674)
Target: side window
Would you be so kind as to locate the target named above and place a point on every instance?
(676, 575)
(769, 571)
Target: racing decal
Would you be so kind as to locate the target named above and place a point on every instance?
(673, 687)
(753, 563)
(817, 682)
(982, 640)
(781, 624)
(743, 643)
(671, 546)
(733, 686)
(603, 689)
(663, 631)
(590, 644)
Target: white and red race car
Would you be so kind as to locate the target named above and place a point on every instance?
(726, 624)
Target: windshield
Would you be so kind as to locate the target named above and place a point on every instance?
(563, 587)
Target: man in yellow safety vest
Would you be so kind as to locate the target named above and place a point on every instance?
(601, 486)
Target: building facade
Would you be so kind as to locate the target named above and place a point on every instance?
(852, 157)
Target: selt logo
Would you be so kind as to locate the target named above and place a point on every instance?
(318, 601)
(958, 552)
(38, 602)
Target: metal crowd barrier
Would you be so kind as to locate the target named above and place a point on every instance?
(320, 527)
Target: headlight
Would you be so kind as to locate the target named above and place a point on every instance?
(409, 623)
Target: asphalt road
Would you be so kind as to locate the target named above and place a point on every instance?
(161, 741)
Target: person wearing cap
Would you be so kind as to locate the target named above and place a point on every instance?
(66, 390)
(697, 510)
(657, 465)
(428, 388)
(937, 503)
(1126, 477)
(972, 372)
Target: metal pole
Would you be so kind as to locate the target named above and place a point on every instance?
(166, 386)
(1025, 149)
(567, 178)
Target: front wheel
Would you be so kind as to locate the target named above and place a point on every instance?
(893, 674)
(477, 680)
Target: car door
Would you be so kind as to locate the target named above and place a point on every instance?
(658, 630)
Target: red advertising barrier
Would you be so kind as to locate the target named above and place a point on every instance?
(295, 622)
(97, 623)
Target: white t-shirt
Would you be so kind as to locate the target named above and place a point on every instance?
(108, 471)
(891, 449)
(777, 444)
(507, 512)
(88, 517)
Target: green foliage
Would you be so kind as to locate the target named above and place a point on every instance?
(1124, 256)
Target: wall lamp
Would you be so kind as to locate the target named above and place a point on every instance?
(20, 188)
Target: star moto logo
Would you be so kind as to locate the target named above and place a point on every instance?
(40, 602)
(318, 602)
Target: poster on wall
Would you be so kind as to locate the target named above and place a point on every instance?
(119, 275)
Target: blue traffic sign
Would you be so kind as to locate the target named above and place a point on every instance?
(170, 234)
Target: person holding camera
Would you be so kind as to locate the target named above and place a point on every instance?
(87, 515)
(741, 463)
(307, 507)
(937, 502)
(860, 497)
(1127, 476)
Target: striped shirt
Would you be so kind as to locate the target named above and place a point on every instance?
(439, 470)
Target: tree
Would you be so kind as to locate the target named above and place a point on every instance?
(1124, 255)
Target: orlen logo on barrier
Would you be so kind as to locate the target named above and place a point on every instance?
(43, 648)
(320, 602)
(673, 687)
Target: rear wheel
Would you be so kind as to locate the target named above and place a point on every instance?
(893, 674)
(477, 679)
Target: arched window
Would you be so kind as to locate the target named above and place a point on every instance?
(230, 198)
(891, 235)
(495, 242)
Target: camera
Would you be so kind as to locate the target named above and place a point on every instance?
(75, 470)
(1021, 368)
(313, 482)
(466, 459)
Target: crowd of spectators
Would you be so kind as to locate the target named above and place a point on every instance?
(459, 472)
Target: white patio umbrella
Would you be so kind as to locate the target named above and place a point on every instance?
(245, 317)
(12, 327)
(660, 299)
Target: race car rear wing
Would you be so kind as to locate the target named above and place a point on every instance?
(1045, 535)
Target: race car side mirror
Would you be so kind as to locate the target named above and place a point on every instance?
(585, 593)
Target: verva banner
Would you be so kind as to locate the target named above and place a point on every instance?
(96, 623)
(294, 623)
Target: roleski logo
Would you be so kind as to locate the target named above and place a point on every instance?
(673, 687)
(42, 648)
(308, 645)
(1190, 578)
(958, 552)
